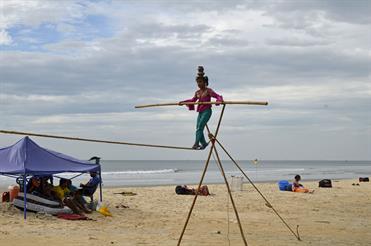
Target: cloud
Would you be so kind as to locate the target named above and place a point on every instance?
(343, 11)
(79, 67)
(5, 39)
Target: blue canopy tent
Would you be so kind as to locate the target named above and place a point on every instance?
(26, 158)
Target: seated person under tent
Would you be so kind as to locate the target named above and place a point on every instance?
(90, 187)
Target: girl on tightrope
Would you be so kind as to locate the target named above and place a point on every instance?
(204, 94)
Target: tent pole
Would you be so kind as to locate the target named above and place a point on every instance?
(24, 197)
(97, 161)
(100, 186)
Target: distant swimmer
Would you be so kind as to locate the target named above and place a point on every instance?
(204, 94)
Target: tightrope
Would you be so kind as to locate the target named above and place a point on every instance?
(93, 140)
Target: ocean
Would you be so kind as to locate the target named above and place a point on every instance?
(156, 172)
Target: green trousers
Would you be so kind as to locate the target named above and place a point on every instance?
(202, 119)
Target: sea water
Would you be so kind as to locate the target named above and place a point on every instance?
(156, 172)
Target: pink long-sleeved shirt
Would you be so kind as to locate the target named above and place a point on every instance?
(203, 96)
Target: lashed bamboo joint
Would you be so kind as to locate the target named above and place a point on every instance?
(203, 103)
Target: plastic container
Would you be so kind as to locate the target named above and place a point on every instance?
(102, 207)
(236, 183)
(13, 192)
(282, 185)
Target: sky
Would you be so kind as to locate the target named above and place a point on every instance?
(78, 68)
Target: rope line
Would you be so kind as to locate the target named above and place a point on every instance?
(268, 204)
(93, 140)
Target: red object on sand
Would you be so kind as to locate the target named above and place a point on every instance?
(72, 216)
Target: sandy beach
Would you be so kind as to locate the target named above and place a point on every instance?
(336, 216)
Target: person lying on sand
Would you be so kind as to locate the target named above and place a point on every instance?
(184, 190)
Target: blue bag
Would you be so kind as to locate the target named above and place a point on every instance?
(283, 184)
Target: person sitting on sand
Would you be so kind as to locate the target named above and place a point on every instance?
(62, 192)
(90, 187)
(34, 185)
(46, 188)
(297, 187)
(77, 195)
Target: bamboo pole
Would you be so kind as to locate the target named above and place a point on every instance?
(201, 180)
(202, 103)
(93, 140)
(219, 162)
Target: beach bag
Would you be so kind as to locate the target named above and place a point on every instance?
(5, 197)
(181, 190)
(325, 183)
(283, 184)
(366, 179)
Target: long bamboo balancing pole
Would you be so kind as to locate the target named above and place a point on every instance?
(199, 103)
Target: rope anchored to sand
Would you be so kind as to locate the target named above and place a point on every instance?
(93, 140)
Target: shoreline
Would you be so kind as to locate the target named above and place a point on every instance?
(245, 182)
(156, 215)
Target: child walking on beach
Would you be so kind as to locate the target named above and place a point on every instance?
(204, 94)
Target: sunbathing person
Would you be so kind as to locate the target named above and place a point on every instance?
(184, 190)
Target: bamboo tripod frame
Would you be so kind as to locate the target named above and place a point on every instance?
(213, 148)
(214, 140)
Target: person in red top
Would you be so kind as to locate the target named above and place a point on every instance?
(204, 94)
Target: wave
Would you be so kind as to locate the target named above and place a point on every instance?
(142, 172)
(276, 170)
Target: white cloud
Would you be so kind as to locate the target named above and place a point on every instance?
(310, 62)
(5, 39)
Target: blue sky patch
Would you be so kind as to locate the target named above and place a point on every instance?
(25, 38)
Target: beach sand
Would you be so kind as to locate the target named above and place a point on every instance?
(331, 216)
